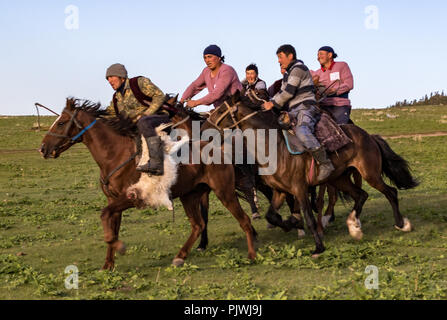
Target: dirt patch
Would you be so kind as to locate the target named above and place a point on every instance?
(418, 136)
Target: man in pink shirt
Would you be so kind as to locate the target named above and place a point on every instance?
(220, 79)
(336, 81)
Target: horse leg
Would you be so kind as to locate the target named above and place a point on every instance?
(245, 182)
(191, 204)
(320, 207)
(345, 184)
(402, 224)
(230, 201)
(313, 198)
(272, 215)
(302, 195)
(111, 222)
(268, 193)
(204, 209)
(297, 220)
(329, 215)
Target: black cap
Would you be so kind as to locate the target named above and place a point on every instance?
(329, 49)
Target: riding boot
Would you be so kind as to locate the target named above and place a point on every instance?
(325, 164)
(156, 160)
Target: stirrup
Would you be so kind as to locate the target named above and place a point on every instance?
(151, 170)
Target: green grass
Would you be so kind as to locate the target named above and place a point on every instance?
(49, 219)
(402, 120)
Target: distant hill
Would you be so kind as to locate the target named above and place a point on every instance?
(434, 99)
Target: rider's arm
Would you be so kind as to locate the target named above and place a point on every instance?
(111, 110)
(346, 79)
(151, 90)
(290, 89)
(195, 87)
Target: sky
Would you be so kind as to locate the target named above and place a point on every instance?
(51, 50)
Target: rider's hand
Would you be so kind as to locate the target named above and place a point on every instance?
(192, 103)
(332, 91)
(267, 105)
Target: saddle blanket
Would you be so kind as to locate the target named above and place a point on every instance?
(327, 131)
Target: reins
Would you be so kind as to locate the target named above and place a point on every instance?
(229, 110)
(106, 180)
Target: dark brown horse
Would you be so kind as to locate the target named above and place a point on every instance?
(370, 155)
(112, 145)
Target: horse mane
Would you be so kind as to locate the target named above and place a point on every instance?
(123, 126)
(93, 109)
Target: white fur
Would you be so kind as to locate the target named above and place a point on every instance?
(354, 226)
(154, 191)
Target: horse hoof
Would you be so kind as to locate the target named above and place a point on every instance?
(107, 267)
(301, 234)
(178, 262)
(354, 226)
(120, 247)
(256, 216)
(200, 249)
(407, 226)
(270, 226)
(325, 221)
(316, 255)
(355, 232)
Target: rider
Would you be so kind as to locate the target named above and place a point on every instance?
(297, 94)
(147, 116)
(337, 100)
(253, 82)
(220, 79)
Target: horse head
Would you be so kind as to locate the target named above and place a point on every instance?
(68, 128)
(236, 110)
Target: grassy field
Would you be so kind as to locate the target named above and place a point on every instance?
(49, 219)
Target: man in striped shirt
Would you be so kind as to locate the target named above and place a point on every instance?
(297, 94)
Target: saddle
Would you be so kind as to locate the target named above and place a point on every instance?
(327, 131)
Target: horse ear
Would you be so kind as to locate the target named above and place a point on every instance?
(70, 102)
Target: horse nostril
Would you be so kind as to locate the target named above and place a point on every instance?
(43, 150)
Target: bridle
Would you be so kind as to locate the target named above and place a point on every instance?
(75, 138)
(231, 110)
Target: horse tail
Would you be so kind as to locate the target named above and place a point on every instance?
(394, 166)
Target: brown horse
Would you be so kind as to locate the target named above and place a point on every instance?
(370, 155)
(112, 145)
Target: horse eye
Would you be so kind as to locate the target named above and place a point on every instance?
(60, 124)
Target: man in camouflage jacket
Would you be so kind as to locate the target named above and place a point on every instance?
(147, 116)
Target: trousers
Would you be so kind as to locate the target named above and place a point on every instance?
(147, 124)
(306, 119)
(341, 114)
